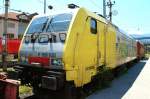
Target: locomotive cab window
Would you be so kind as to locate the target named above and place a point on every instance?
(93, 26)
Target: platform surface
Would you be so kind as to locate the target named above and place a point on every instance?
(122, 87)
(141, 87)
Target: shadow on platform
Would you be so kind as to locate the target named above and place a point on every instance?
(121, 84)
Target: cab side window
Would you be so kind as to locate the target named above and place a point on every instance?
(93, 26)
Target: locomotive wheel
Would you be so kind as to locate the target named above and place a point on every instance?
(40, 93)
(71, 92)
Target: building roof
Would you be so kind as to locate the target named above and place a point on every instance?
(19, 16)
(11, 15)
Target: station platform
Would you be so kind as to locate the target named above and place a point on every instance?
(141, 87)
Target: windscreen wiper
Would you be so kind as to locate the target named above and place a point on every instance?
(44, 25)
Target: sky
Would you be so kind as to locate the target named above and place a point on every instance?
(133, 15)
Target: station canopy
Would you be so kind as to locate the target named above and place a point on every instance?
(145, 39)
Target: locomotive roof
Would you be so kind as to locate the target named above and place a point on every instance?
(92, 14)
(73, 11)
(125, 33)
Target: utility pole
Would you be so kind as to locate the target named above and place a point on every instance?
(110, 4)
(44, 6)
(104, 8)
(4, 53)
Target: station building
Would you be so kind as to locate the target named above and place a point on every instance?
(17, 24)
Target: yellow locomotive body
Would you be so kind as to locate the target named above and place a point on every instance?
(89, 43)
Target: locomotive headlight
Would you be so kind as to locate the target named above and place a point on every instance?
(23, 59)
(26, 59)
(56, 62)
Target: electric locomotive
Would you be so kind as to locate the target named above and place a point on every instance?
(70, 49)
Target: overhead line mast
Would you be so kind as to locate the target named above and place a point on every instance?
(104, 8)
(44, 6)
(110, 4)
(4, 53)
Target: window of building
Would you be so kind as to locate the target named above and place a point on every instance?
(11, 25)
(10, 36)
(93, 26)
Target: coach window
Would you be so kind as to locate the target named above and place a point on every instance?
(93, 26)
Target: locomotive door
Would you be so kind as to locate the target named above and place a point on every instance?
(88, 51)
